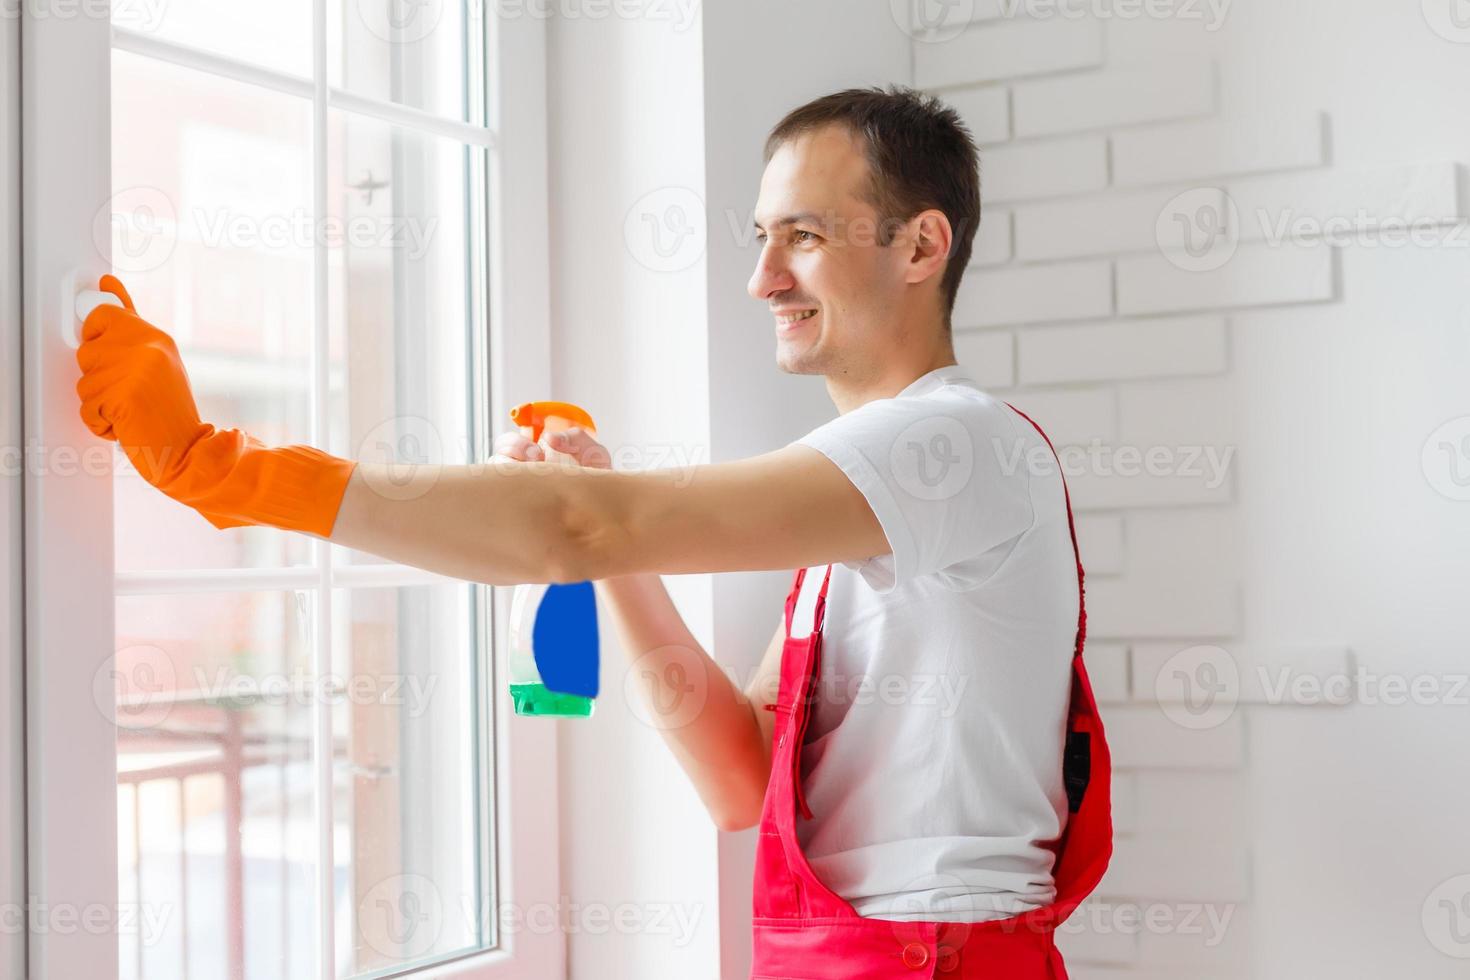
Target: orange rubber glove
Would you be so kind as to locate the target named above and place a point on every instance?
(135, 391)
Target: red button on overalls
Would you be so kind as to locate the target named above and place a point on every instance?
(802, 930)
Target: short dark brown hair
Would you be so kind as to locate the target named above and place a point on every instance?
(921, 156)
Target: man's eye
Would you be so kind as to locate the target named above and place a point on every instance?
(804, 236)
(760, 236)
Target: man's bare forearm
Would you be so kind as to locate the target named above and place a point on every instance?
(706, 720)
(497, 524)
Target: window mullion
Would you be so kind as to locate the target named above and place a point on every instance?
(323, 752)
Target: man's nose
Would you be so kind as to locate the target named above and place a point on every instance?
(771, 275)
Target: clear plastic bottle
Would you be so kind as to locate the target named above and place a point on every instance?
(553, 642)
(530, 607)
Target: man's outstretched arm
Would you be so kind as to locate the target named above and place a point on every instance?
(543, 522)
(489, 523)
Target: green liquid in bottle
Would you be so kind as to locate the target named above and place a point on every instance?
(538, 699)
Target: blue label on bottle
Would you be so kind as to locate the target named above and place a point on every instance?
(564, 639)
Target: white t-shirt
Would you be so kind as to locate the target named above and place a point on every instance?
(933, 758)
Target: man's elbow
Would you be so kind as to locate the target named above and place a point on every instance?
(732, 823)
(589, 544)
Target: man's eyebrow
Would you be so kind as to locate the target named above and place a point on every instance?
(810, 217)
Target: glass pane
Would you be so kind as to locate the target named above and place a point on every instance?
(217, 839)
(270, 33)
(412, 52)
(400, 308)
(408, 816)
(210, 231)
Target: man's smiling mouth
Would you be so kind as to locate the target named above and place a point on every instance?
(787, 319)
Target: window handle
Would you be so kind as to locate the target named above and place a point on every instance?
(76, 304)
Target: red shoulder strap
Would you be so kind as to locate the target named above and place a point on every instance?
(1071, 529)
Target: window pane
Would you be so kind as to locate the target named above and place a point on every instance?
(270, 33)
(215, 816)
(401, 311)
(412, 52)
(406, 660)
(210, 230)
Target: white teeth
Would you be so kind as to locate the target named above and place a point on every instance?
(800, 316)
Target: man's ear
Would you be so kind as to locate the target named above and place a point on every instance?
(931, 237)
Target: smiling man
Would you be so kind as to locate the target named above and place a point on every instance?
(919, 746)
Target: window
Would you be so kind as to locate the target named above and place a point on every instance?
(265, 755)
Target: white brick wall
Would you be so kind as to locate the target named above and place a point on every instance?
(1034, 294)
(1100, 539)
(1107, 668)
(1071, 418)
(1102, 225)
(1162, 608)
(1145, 738)
(1123, 481)
(1147, 867)
(987, 111)
(989, 355)
(1009, 49)
(1084, 285)
(1300, 677)
(1123, 350)
(1258, 275)
(1115, 97)
(1214, 804)
(993, 238)
(1202, 150)
(1193, 412)
(1048, 168)
(1271, 206)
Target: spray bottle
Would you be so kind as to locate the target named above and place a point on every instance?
(553, 628)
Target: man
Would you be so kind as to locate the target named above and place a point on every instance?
(913, 704)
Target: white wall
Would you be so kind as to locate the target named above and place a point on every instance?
(1331, 836)
(763, 58)
(678, 362)
(1325, 832)
(629, 343)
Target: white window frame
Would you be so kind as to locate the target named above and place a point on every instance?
(12, 678)
(69, 582)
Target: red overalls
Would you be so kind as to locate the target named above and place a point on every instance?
(804, 931)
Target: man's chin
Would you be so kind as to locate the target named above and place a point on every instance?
(797, 361)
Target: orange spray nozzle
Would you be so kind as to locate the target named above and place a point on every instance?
(535, 416)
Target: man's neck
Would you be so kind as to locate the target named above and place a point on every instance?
(849, 391)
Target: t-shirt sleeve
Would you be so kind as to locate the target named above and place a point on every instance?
(946, 476)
